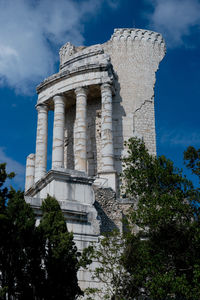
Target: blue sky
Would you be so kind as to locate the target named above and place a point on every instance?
(31, 33)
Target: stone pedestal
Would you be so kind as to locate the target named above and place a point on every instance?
(58, 132)
(80, 137)
(41, 142)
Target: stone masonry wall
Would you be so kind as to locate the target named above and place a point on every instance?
(108, 209)
(135, 56)
(144, 125)
(112, 212)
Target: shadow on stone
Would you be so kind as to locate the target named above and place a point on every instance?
(108, 210)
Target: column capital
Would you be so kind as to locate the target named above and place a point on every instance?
(42, 107)
(81, 91)
(59, 99)
(106, 86)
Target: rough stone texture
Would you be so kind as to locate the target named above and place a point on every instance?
(108, 209)
(112, 211)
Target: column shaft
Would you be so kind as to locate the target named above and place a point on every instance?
(80, 137)
(58, 132)
(30, 171)
(107, 149)
(41, 142)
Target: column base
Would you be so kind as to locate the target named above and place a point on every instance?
(107, 179)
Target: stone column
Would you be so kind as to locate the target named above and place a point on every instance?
(107, 174)
(41, 142)
(80, 137)
(58, 132)
(30, 171)
(107, 149)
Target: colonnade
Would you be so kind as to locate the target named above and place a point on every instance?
(80, 134)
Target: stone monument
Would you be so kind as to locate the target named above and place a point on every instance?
(101, 96)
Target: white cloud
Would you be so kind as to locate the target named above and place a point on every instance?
(113, 3)
(31, 31)
(13, 166)
(178, 137)
(175, 19)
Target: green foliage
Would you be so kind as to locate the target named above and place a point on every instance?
(163, 255)
(159, 256)
(110, 271)
(4, 192)
(192, 160)
(60, 256)
(36, 262)
(17, 233)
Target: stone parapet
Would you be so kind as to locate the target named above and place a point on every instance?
(134, 34)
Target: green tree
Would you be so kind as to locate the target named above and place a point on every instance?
(159, 255)
(37, 263)
(192, 160)
(17, 237)
(162, 257)
(60, 256)
(110, 271)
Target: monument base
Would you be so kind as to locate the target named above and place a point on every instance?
(74, 192)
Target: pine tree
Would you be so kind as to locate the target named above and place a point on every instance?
(60, 255)
(17, 233)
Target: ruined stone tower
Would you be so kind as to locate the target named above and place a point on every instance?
(101, 96)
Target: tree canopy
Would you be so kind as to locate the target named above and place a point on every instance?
(163, 255)
(160, 254)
